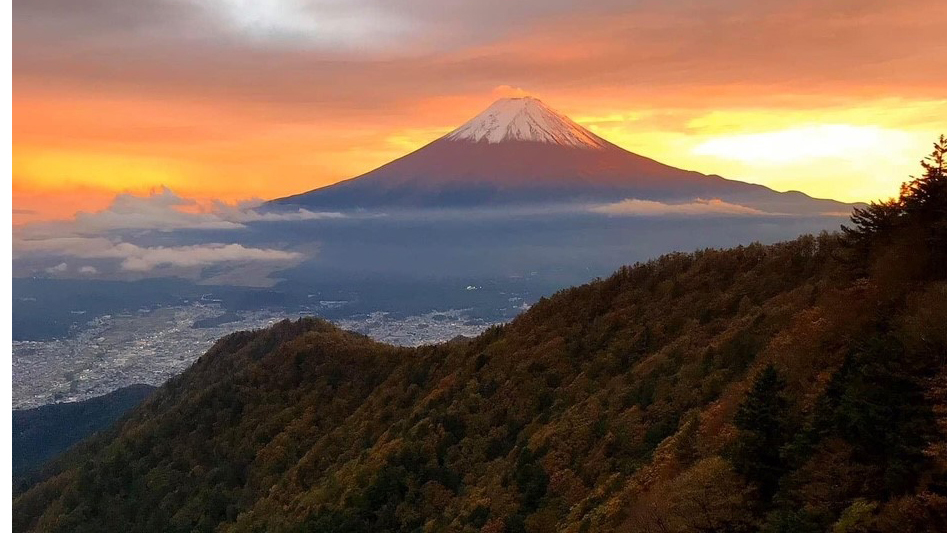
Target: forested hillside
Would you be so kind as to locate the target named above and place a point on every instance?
(795, 387)
(44, 432)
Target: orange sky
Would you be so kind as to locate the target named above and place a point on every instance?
(837, 99)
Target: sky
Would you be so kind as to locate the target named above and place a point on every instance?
(238, 99)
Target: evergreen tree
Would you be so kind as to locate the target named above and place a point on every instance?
(762, 419)
(918, 215)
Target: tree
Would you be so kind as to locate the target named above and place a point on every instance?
(919, 211)
(706, 497)
(763, 421)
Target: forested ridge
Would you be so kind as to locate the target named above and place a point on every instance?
(793, 387)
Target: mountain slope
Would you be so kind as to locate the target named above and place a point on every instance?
(795, 387)
(520, 151)
(44, 432)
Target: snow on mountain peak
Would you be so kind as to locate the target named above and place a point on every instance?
(525, 119)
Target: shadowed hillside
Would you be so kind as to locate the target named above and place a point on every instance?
(44, 432)
(795, 387)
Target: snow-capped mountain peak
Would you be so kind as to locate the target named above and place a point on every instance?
(525, 119)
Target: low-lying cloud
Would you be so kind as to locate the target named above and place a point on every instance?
(246, 213)
(135, 258)
(120, 233)
(164, 211)
(699, 207)
(138, 259)
(61, 267)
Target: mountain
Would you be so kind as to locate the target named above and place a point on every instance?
(794, 387)
(521, 151)
(44, 432)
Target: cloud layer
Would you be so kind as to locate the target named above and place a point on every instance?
(162, 210)
(699, 207)
(135, 258)
(109, 234)
(191, 45)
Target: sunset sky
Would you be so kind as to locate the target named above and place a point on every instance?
(236, 99)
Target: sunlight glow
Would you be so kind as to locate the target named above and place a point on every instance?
(807, 142)
(54, 169)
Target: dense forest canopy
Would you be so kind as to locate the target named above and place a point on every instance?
(795, 387)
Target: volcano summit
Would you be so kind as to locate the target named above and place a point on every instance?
(519, 151)
(526, 119)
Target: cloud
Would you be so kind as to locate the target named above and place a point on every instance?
(123, 232)
(69, 245)
(161, 210)
(139, 259)
(61, 267)
(326, 25)
(164, 211)
(245, 213)
(507, 91)
(699, 207)
(191, 48)
(136, 258)
(301, 214)
(311, 23)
